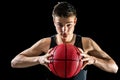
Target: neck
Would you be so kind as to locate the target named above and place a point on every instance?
(68, 39)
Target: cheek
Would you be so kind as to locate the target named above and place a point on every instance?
(58, 29)
(71, 29)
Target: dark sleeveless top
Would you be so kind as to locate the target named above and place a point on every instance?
(81, 75)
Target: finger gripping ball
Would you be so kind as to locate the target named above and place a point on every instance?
(65, 61)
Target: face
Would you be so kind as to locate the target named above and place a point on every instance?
(65, 26)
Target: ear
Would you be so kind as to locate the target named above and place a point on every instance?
(54, 20)
(75, 20)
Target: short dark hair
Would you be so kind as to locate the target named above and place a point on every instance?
(64, 9)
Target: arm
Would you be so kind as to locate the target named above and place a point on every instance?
(96, 56)
(31, 56)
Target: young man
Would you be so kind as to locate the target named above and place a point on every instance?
(65, 18)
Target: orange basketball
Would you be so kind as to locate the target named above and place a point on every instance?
(65, 61)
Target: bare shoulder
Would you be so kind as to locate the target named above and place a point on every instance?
(41, 46)
(43, 43)
(90, 44)
(87, 40)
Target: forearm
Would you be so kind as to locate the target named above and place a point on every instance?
(106, 65)
(22, 61)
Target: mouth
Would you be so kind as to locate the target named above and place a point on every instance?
(64, 34)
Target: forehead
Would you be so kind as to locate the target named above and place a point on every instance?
(64, 19)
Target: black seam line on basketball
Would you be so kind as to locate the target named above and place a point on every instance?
(65, 60)
(79, 61)
(52, 58)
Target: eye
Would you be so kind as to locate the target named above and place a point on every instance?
(69, 25)
(59, 25)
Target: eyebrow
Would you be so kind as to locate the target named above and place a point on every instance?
(66, 22)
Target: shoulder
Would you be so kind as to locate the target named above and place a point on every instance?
(90, 44)
(87, 40)
(84, 38)
(44, 41)
(41, 45)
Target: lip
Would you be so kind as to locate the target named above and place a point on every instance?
(64, 35)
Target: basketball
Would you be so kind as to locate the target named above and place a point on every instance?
(65, 61)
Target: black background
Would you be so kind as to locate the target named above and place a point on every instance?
(25, 22)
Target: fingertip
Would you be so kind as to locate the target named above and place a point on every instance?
(82, 54)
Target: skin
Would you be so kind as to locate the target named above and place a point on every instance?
(92, 53)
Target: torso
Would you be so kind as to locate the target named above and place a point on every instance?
(82, 75)
(85, 42)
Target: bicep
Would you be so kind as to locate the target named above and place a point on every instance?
(34, 50)
(97, 51)
(31, 52)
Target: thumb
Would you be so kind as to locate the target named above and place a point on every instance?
(48, 55)
(84, 65)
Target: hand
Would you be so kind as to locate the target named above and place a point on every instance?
(87, 59)
(43, 60)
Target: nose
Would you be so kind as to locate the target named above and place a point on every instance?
(64, 29)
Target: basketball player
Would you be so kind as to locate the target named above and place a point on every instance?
(64, 19)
